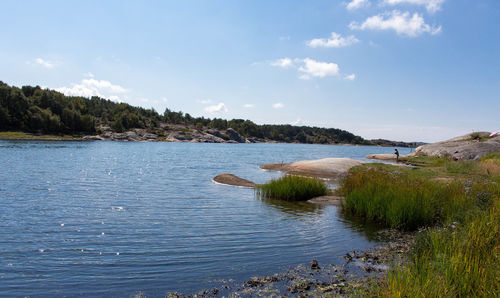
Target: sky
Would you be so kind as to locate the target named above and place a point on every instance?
(404, 70)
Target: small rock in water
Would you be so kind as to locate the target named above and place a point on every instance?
(315, 265)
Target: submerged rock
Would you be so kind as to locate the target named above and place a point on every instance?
(234, 180)
(327, 200)
(315, 265)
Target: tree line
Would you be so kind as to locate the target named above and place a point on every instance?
(33, 109)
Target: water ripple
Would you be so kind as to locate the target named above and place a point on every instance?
(110, 219)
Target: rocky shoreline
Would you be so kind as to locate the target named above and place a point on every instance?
(470, 146)
(173, 133)
(318, 280)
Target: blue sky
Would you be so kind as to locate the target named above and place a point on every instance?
(412, 70)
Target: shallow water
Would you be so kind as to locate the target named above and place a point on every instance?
(115, 219)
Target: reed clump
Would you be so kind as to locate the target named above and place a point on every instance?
(456, 251)
(292, 188)
(400, 199)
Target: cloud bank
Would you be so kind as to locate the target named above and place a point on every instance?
(92, 87)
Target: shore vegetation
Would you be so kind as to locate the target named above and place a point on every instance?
(454, 205)
(43, 111)
(292, 188)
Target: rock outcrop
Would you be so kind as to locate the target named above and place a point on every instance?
(216, 133)
(136, 135)
(234, 135)
(172, 133)
(230, 179)
(326, 168)
(470, 146)
(194, 137)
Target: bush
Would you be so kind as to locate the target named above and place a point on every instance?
(292, 188)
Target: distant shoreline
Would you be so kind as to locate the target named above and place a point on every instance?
(25, 136)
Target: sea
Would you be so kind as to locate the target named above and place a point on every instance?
(121, 219)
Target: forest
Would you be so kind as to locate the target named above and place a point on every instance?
(36, 110)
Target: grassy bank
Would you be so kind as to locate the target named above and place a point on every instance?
(292, 188)
(18, 135)
(456, 206)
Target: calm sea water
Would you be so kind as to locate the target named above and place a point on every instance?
(115, 219)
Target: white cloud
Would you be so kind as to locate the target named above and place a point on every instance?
(431, 5)
(401, 22)
(164, 99)
(283, 63)
(89, 75)
(309, 68)
(248, 105)
(282, 38)
(218, 108)
(355, 4)
(204, 101)
(296, 122)
(114, 98)
(313, 68)
(334, 41)
(278, 105)
(92, 87)
(350, 77)
(42, 62)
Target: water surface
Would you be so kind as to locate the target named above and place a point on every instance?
(115, 219)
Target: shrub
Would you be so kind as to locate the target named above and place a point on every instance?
(292, 188)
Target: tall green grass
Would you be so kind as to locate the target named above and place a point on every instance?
(466, 167)
(458, 261)
(495, 156)
(400, 199)
(292, 188)
(425, 161)
(457, 254)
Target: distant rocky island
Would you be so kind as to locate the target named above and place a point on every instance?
(38, 112)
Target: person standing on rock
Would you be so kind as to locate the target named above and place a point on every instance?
(397, 154)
